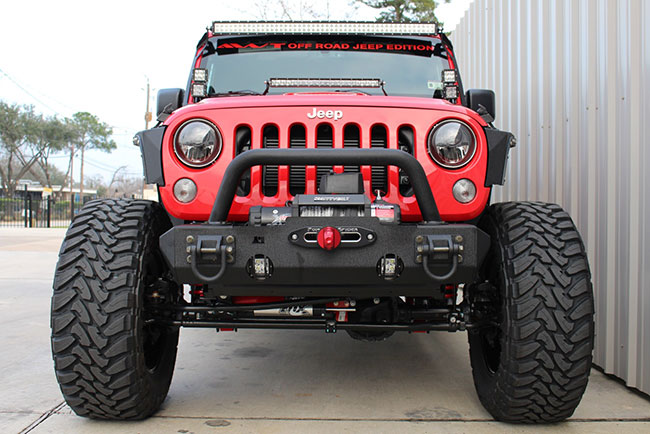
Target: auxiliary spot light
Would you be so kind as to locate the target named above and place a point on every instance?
(200, 75)
(199, 90)
(449, 76)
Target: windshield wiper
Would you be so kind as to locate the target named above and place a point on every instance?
(242, 92)
(352, 91)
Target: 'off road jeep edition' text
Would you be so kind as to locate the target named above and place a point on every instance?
(327, 176)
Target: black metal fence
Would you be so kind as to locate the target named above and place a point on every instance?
(36, 212)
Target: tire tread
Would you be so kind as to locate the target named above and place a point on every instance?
(94, 311)
(548, 331)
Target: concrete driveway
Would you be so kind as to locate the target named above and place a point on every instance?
(268, 381)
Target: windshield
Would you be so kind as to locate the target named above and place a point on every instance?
(407, 66)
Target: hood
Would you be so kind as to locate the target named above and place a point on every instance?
(325, 100)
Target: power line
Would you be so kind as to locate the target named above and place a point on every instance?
(26, 91)
(127, 131)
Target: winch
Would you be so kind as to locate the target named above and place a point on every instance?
(340, 195)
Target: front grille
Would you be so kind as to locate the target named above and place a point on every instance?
(324, 137)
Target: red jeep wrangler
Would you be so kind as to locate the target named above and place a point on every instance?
(327, 176)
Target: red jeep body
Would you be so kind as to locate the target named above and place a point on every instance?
(285, 111)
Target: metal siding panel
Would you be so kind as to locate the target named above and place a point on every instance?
(599, 266)
(610, 227)
(589, 202)
(623, 192)
(634, 26)
(559, 91)
(572, 79)
(644, 247)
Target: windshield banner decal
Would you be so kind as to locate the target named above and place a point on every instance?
(416, 47)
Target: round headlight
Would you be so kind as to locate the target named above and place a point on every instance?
(197, 143)
(451, 144)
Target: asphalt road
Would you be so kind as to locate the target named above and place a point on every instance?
(268, 381)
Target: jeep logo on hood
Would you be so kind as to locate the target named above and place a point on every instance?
(325, 114)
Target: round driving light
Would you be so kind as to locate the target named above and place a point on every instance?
(197, 143)
(185, 190)
(464, 191)
(451, 144)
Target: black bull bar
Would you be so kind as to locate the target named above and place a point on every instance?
(306, 157)
(244, 259)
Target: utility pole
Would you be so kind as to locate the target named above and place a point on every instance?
(147, 114)
(71, 181)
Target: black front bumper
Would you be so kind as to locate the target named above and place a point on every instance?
(372, 260)
(224, 256)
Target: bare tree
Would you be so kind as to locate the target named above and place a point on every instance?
(404, 11)
(125, 186)
(296, 10)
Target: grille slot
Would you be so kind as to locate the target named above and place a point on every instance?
(351, 140)
(379, 139)
(324, 140)
(270, 140)
(243, 144)
(297, 140)
(405, 139)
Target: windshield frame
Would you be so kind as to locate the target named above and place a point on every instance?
(208, 44)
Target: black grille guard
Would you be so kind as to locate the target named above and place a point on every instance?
(309, 157)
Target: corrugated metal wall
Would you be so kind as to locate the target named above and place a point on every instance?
(572, 79)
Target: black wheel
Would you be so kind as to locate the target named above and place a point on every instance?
(109, 363)
(532, 364)
(369, 336)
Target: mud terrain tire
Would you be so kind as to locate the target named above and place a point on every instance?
(108, 363)
(534, 367)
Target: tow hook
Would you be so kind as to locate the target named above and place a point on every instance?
(439, 249)
(457, 322)
(210, 249)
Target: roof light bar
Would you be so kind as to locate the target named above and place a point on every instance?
(325, 82)
(306, 27)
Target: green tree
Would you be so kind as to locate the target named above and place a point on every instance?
(17, 146)
(51, 135)
(404, 11)
(88, 133)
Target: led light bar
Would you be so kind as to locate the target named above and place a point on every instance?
(306, 27)
(325, 82)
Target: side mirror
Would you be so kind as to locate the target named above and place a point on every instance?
(482, 101)
(168, 101)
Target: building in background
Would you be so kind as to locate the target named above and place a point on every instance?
(572, 80)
